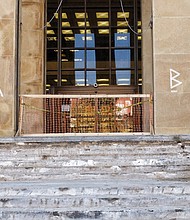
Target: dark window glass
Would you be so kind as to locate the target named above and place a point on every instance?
(93, 41)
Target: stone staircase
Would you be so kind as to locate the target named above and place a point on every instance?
(94, 180)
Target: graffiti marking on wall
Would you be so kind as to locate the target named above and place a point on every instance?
(174, 82)
(1, 93)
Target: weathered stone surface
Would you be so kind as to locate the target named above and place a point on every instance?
(171, 51)
(32, 47)
(94, 180)
(7, 62)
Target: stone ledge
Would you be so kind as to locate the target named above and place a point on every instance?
(98, 138)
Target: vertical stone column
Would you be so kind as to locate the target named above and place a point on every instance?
(147, 65)
(32, 47)
(147, 61)
(171, 34)
(7, 67)
(32, 58)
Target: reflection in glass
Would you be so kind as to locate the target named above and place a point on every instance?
(122, 58)
(85, 59)
(95, 41)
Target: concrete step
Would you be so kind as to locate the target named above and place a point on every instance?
(104, 199)
(149, 213)
(90, 180)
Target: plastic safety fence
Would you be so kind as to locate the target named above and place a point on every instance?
(84, 114)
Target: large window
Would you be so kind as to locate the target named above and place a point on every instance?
(93, 42)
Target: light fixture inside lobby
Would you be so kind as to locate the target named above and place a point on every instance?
(102, 14)
(50, 32)
(122, 23)
(85, 31)
(103, 23)
(103, 31)
(122, 15)
(67, 32)
(102, 80)
(82, 23)
(62, 80)
(122, 31)
(80, 15)
(69, 38)
(65, 24)
(64, 15)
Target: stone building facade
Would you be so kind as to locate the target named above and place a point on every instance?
(165, 59)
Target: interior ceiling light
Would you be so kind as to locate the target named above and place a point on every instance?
(103, 84)
(139, 38)
(139, 31)
(52, 38)
(48, 24)
(81, 15)
(69, 38)
(139, 23)
(103, 31)
(74, 50)
(65, 24)
(102, 80)
(67, 32)
(122, 31)
(81, 23)
(102, 14)
(122, 23)
(122, 15)
(87, 31)
(50, 32)
(64, 15)
(103, 23)
(63, 80)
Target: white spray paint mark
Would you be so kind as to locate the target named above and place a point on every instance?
(173, 81)
(1, 93)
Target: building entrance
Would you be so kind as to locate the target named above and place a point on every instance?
(93, 46)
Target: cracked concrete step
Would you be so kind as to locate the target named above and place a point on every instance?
(114, 186)
(154, 175)
(90, 148)
(86, 201)
(94, 181)
(151, 213)
(75, 160)
(102, 195)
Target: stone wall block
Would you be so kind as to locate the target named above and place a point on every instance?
(6, 116)
(171, 8)
(32, 45)
(7, 9)
(172, 113)
(176, 40)
(171, 66)
(7, 69)
(6, 37)
(32, 18)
